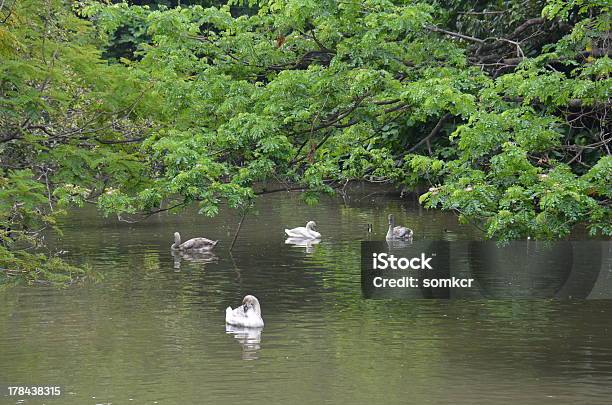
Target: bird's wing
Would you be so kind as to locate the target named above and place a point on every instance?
(401, 231)
(299, 232)
(197, 243)
(230, 315)
(236, 315)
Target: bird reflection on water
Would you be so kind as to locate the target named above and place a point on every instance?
(309, 244)
(192, 257)
(249, 339)
(399, 243)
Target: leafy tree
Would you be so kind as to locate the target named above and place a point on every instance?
(130, 29)
(500, 109)
(67, 126)
(321, 92)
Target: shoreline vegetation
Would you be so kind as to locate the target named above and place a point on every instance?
(501, 116)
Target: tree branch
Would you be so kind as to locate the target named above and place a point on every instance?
(454, 34)
(433, 132)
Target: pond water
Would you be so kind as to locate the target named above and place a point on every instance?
(152, 331)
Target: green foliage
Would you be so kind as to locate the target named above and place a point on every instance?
(66, 123)
(24, 213)
(270, 97)
(321, 92)
(21, 267)
(533, 188)
(501, 113)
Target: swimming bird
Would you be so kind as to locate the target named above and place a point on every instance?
(307, 232)
(193, 245)
(247, 315)
(397, 232)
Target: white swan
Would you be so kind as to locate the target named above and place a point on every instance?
(248, 314)
(307, 232)
(193, 245)
(397, 232)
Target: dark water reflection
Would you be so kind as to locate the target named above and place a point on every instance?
(153, 331)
